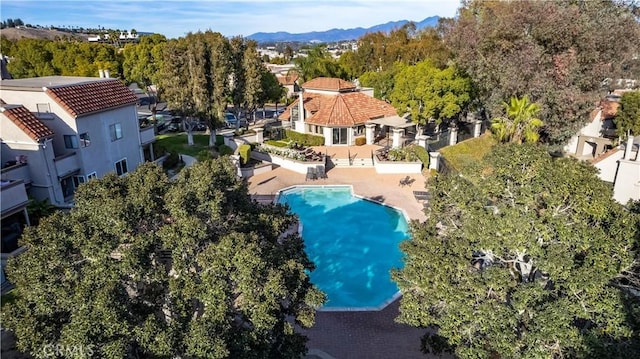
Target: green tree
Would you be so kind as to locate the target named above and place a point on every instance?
(145, 267)
(520, 123)
(318, 63)
(382, 81)
(557, 52)
(428, 92)
(516, 260)
(627, 118)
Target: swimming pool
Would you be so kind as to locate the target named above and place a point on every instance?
(353, 243)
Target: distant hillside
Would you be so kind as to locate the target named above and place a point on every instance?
(337, 34)
(13, 33)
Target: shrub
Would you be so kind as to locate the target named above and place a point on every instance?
(360, 141)
(304, 139)
(245, 152)
(171, 161)
(421, 153)
(204, 155)
(225, 150)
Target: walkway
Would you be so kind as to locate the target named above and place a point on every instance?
(188, 162)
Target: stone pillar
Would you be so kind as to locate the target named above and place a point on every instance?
(434, 161)
(421, 140)
(397, 137)
(627, 150)
(299, 126)
(477, 129)
(453, 136)
(369, 132)
(259, 134)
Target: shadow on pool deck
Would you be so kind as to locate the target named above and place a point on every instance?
(370, 335)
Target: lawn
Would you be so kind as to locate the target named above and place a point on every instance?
(177, 143)
(470, 151)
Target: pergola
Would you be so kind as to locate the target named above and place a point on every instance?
(398, 125)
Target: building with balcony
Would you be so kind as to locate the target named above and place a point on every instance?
(59, 131)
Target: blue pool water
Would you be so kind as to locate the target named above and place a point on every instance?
(353, 243)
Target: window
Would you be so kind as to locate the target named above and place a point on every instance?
(84, 140)
(77, 180)
(70, 141)
(340, 136)
(116, 131)
(91, 176)
(66, 184)
(121, 167)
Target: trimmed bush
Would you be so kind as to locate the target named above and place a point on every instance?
(360, 141)
(225, 150)
(422, 154)
(204, 155)
(245, 152)
(304, 139)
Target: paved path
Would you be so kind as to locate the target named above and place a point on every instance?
(188, 162)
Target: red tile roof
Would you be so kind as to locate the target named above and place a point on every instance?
(287, 80)
(328, 84)
(84, 98)
(27, 122)
(342, 109)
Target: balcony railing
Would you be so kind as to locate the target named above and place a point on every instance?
(13, 196)
(66, 164)
(16, 172)
(147, 135)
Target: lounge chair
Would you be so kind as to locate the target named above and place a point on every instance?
(320, 172)
(311, 174)
(421, 195)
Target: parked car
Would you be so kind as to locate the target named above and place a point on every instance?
(277, 113)
(230, 119)
(199, 126)
(173, 127)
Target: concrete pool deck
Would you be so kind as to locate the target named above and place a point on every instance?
(366, 182)
(358, 334)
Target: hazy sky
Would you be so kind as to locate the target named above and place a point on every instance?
(229, 17)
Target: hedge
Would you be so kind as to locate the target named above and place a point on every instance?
(360, 141)
(244, 151)
(225, 150)
(304, 139)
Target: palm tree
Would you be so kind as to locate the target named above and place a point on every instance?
(520, 124)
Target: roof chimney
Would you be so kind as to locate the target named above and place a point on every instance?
(101, 72)
(106, 74)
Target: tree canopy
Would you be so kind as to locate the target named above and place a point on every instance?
(318, 63)
(557, 52)
(145, 267)
(517, 259)
(627, 118)
(428, 92)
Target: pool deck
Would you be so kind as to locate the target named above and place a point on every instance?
(358, 334)
(366, 182)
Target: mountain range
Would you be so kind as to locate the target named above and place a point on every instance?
(334, 35)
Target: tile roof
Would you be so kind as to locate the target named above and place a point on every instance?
(341, 110)
(27, 122)
(88, 97)
(287, 80)
(328, 84)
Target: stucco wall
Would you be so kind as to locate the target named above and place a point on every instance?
(627, 185)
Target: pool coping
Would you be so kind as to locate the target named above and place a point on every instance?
(386, 303)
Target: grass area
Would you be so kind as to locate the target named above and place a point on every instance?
(9, 298)
(470, 151)
(177, 143)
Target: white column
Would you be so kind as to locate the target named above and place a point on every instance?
(328, 136)
(434, 161)
(453, 136)
(369, 132)
(421, 140)
(627, 150)
(259, 134)
(300, 127)
(477, 128)
(397, 137)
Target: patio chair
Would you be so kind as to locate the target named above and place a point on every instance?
(311, 174)
(320, 172)
(421, 195)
